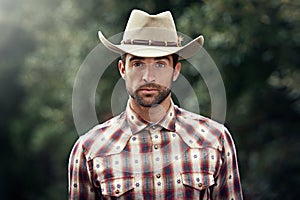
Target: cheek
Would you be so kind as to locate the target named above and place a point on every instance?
(134, 77)
(131, 74)
(165, 80)
(132, 81)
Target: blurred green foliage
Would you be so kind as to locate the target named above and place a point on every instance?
(255, 44)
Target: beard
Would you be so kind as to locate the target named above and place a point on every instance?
(150, 100)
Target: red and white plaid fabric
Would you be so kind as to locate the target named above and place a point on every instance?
(184, 156)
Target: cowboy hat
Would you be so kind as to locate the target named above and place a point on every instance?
(152, 36)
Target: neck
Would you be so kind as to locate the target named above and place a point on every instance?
(151, 114)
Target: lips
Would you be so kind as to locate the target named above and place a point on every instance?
(148, 89)
(150, 86)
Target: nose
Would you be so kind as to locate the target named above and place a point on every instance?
(149, 75)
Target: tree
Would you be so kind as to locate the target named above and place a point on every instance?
(255, 45)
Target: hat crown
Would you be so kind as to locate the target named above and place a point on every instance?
(148, 35)
(143, 26)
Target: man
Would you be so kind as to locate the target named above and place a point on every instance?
(154, 150)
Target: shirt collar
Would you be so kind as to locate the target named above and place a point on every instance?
(137, 123)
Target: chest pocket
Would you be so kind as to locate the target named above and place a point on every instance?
(197, 180)
(116, 186)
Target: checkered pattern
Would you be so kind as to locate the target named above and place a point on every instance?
(184, 156)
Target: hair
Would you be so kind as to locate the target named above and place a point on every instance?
(174, 56)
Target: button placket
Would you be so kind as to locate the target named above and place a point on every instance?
(157, 159)
(157, 179)
(155, 137)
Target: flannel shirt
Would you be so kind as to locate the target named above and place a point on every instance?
(183, 156)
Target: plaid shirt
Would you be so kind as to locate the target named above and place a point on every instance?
(184, 156)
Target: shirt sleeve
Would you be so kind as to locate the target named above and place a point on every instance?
(80, 185)
(228, 185)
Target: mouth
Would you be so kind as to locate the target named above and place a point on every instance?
(148, 90)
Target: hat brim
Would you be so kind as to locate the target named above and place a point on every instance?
(184, 52)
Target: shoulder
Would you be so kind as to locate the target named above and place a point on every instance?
(104, 139)
(101, 128)
(203, 130)
(189, 117)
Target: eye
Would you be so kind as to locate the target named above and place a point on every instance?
(160, 65)
(137, 64)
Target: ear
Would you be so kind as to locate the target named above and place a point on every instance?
(177, 70)
(121, 67)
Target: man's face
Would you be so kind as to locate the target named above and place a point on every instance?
(149, 80)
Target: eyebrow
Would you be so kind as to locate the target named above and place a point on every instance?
(162, 58)
(142, 58)
(135, 58)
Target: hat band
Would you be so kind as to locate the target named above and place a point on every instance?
(151, 43)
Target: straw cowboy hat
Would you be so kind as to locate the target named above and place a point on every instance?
(152, 36)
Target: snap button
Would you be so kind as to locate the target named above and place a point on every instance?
(158, 175)
(153, 127)
(199, 184)
(155, 146)
(117, 191)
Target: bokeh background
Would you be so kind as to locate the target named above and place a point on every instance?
(255, 44)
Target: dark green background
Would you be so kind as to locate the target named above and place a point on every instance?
(255, 44)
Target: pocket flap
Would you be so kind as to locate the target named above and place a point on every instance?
(116, 186)
(197, 180)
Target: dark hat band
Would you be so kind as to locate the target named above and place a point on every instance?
(151, 43)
